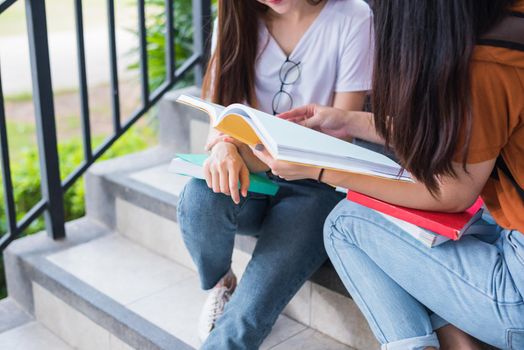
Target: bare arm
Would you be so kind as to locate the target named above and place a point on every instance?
(339, 123)
(349, 101)
(362, 126)
(456, 193)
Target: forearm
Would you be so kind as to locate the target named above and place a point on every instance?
(362, 126)
(254, 164)
(452, 198)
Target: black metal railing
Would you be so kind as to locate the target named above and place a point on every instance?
(53, 189)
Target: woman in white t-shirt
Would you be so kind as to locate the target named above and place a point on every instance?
(273, 55)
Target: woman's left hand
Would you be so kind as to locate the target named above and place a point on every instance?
(285, 170)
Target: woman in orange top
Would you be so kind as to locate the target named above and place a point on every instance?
(453, 111)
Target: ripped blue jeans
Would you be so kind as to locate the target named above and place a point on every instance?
(400, 285)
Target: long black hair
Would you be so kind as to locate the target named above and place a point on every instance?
(421, 85)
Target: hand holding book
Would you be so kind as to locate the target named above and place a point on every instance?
(193, 165)
(293, 143)
(335, 122)
(328, 120)
(224, 169)
(286, 170)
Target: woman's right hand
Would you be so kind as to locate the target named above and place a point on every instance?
(224, 169)
(327, 120)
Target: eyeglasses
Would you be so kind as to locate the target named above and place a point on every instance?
(288, 74)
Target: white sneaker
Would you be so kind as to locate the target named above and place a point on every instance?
(214, 306)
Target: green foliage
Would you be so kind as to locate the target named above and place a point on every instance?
(26, 175)
(25, 168)
(26, 179)
(156, 44)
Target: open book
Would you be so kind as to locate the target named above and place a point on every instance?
(292, 142)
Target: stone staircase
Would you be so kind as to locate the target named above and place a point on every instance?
(122, 279)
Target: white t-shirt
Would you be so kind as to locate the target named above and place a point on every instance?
(335, 54)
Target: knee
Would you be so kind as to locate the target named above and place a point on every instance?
(196, 198)
(197, 202)
(342, 224)
(189, 198)
(330, 229)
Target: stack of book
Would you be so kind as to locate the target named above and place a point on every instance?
(429, 227)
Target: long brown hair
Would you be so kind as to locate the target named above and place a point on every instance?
(230, 75)
(421, 83)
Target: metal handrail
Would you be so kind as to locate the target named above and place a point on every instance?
(4, 5)
(53, 189)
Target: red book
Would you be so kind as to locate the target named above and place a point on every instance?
(451, 225)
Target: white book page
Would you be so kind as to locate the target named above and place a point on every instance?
(182, 167)
(291, 136)
(212, 109)
(427, 238)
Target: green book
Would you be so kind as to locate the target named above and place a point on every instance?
(192, 165)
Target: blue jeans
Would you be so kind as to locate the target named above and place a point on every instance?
(288, 251)
(400, 285)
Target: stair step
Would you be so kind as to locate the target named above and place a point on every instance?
(142, 200)
(80, 314)
(31, 336)
(162, 292)
(109, 291)
(12, 315)
(156, 190)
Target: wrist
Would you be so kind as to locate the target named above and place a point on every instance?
(221, 139)
(223, 146)
(348, 130)
(320, 175)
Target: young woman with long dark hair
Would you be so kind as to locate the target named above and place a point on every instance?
(448, 97)
(272, 55)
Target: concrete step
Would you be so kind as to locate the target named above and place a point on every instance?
(31, 336)
(140, 202)
(12, 315)
(77, 312)
(103, 291)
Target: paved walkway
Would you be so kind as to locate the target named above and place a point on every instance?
(15, 67)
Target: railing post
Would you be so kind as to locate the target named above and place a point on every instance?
(45, 118)
(113, 64)
(6, 171)
(202, 26)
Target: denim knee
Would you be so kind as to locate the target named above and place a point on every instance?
(336, 225)
(192, 195)
(197, 201)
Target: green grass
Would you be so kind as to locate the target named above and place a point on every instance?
(28, 96)
(72, 122)
(19, 97)
(21, 137)
(25, 173)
